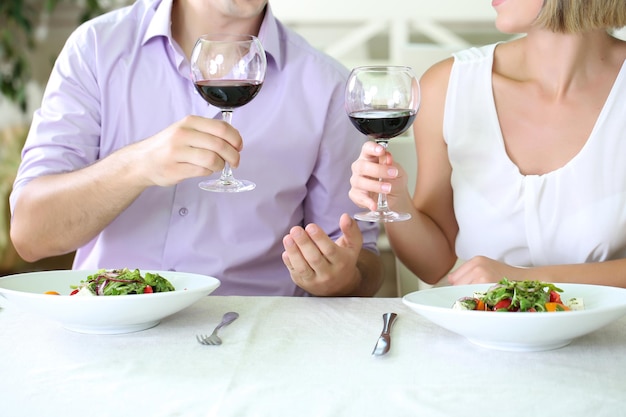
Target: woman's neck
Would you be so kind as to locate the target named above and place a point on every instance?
(559, 62)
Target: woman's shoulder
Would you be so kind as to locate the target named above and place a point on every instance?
(620, 49)
(438, 75)
(441, 70)
(476, 53)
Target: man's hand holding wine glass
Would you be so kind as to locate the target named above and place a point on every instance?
(192, 147)
(228, 72)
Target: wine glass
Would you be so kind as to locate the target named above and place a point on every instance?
(228, 72)
(382, 102)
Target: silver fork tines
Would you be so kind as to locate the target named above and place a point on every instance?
(213, 338)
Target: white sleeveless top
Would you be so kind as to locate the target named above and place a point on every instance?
(574, 214)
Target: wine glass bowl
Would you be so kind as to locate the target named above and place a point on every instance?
(228, 72)
(382, 102)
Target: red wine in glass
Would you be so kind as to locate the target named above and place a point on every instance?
(382, 102)
(228, 72)
(382, 124)
(228, 94)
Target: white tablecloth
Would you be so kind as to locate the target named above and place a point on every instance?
(299, 357)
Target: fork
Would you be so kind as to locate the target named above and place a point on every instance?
(213, 338)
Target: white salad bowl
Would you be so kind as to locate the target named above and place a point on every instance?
(102, 314)
(520, 331)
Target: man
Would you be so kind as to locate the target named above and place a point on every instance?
(114, 156)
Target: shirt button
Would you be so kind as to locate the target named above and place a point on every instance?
(183, 211)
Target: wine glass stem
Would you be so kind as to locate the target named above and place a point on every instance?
(382, 201)
(227, 173)
(382, 197)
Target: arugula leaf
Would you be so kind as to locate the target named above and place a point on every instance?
(158, 283)
(524, 295)
(124, 282)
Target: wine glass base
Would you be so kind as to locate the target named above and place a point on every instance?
(230, 186)
(382, 216)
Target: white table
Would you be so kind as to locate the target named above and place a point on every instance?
(299, 357)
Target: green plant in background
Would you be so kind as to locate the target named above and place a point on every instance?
(18, 20)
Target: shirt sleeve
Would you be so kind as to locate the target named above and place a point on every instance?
(65, 131)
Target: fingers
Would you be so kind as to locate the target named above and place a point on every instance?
(310, 250)
(374, 161)
(210, 142)
(478, 270)
(369, 173)
(192, 147)
(352, 236)
(461, 275)
(303, 257)
(205, 150)
(320, 265)
(215, 128)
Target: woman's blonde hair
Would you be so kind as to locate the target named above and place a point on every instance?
(575, 16)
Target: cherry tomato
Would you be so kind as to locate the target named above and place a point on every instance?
(502, 304)
(74, 292)
(148, 290)
(555, 297)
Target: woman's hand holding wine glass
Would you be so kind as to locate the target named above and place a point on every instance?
(228, 72)
(382, 102)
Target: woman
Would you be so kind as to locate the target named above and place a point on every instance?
(522, 154)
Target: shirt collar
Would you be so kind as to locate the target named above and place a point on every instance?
(160, 24)
(269, 34)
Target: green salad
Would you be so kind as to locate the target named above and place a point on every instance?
(531, 296)
(122, 282)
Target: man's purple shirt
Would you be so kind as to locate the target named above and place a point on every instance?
(121, 78)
